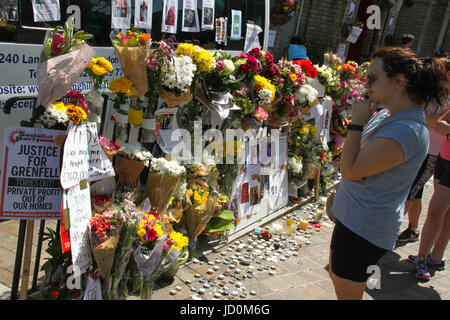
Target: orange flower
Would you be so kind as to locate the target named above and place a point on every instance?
(348, 68)
(130, 34)
(144, 38)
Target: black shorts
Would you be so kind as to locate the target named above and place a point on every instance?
(424, 174)
(442, 171)
(352, 254)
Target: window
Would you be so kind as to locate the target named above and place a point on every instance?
(96, 19)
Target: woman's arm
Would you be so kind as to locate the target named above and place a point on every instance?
(443, 124)
(379, 155)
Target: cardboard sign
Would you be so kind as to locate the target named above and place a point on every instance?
(99, 165)
(30, 174)
(75, 165)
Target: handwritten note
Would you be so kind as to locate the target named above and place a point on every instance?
(79, 204)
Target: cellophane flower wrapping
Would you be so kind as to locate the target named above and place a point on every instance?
(104, 236)
(149, 253)
(57, 75)
(132, 54)
(130, 161)
(161, 183)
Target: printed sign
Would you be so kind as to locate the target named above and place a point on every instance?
(170, 16)
(208, 15)
(30, 174)
(121, 14)
(46, 10)
(190, 16)
(143, 14)
(236, 24)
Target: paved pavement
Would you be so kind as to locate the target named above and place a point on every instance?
(271, 275)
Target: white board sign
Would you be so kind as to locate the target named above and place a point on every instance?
(30, 173)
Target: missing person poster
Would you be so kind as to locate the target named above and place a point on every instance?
(208, 15)
(9, 9)
(30, 174)
(143, 14)
(120, 14)
(190, 16)
(236, 24)
(169, 16)
(46, 10)
(221, 30)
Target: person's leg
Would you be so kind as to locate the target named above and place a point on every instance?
(442, 240)
(414, 213)
(437, 209)
(345, 289)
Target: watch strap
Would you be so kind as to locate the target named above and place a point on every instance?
(356, 127)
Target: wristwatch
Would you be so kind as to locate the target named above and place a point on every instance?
(356, 127)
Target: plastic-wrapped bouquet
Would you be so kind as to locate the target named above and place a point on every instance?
(162, 181)
(58, 114)
(151, 239)
(122, 88)
(307, 97)
(64, 57)
(177, 80)
(130, 161)
(97, 68)
(104, 236)
(132, 48)
(110, 147)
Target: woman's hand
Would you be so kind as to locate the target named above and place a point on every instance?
(362, 110)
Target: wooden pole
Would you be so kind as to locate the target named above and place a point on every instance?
(27, 260)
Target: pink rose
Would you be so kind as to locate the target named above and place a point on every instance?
(261, 114)
(219, 65)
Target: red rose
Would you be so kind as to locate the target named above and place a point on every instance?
(304, 63)
(55, 294)
(243, 68)
(311, 72)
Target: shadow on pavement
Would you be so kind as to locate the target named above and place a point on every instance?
(398, 282)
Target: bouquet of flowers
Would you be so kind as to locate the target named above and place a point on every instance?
(100, 202)
(307, 67)
(247, 66)
(97, 69)
(161, 183)
(64, 57)
(265, 92)
(122, 88)
(110, 147)
(148, 255)
(177, 79)
(295, 166)
(221, 79)
(307, 97)
(132, 48)
(104, 236)
(115, 288)
(174, 212)
(200, 209)
(157, 63)
(130, 161)
(58, 114)
(202, 58)
(176, 245)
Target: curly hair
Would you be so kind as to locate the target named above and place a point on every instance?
(426, 79)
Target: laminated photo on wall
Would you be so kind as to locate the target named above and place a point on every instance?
(208, 15)
(120, 14)
(9, 10)
(143, 14)
(236, 24)
(252, 38)
(165, 124)
(221, 30)
(190, 16)
(46, 10)
(169, 16)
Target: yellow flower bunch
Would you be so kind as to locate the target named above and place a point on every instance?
(261, 83)
(100, 66)
(149, 229)
(180, 241)
(122, 85)
(201, 58)
(306, 129)
(75, 113)
(197, 197)
(60, 106)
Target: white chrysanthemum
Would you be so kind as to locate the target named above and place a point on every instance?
(306, 93)
(265, 96)
(294, 165)
(164, 167)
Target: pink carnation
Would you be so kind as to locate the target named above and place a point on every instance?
(261, 114)
(219, 65)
